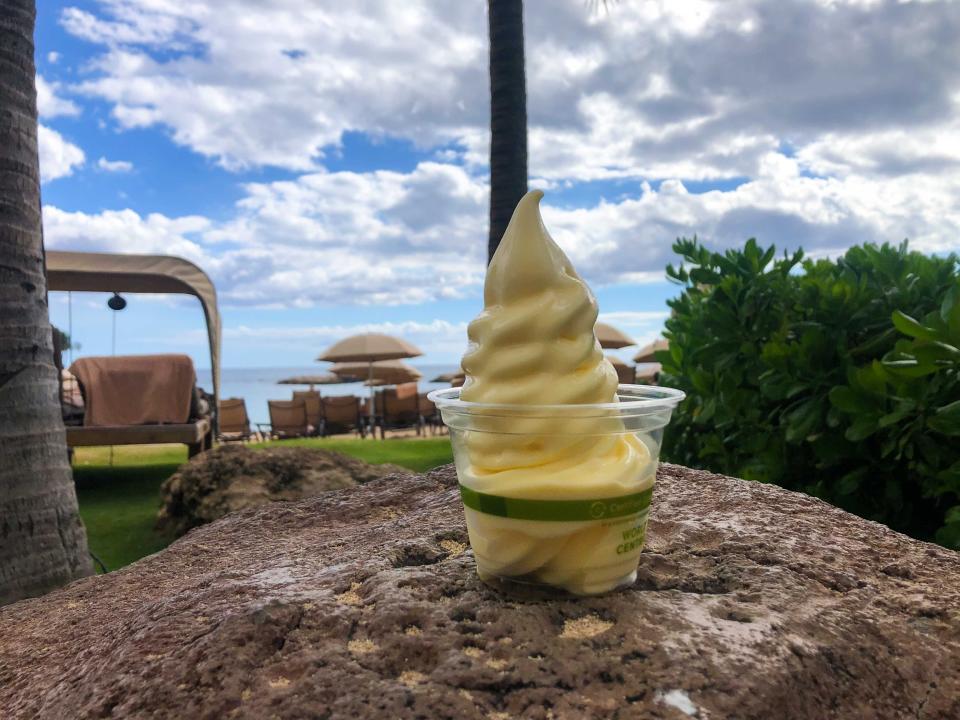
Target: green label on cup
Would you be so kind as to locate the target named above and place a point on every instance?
(556, 510)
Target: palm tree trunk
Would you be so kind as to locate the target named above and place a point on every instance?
(42, 540)
(508, 115)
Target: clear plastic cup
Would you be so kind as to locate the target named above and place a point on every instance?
(557, 497)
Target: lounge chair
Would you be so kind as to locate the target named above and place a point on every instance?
(398, 408)
(428, 411)
(234, 421)
(311, 399)
(649, 376)
(341, 414)
(626, 374)
(365, 418)
(288, 419)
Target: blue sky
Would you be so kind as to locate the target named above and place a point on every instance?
(326, 164)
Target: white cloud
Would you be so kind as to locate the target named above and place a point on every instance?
(53, 57)
(115, 166)
(370, 238)
(124, 231)
(147, 23)
(389, 237)
(364, 237)
(310, 334)
(438, 337)
(49, 104)
(654, 89)
(58, 156)
(275, 85)
(926, 151)
(630, 241)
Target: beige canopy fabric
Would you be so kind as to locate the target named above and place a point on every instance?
(369, 347)
(388, 372)
(105, 272)
(616, 362)
(646, 353)
(611, 338)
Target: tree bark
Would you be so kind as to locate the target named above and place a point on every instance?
(508, 115)
(42, 540)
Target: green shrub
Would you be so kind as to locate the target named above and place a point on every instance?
(797, 372)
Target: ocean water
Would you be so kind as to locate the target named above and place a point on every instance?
(257, 385)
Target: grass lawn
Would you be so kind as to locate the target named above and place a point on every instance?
(119, 503)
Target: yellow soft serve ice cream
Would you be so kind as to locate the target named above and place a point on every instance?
(555, 495)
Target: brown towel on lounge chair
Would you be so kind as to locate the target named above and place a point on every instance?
(136, 389)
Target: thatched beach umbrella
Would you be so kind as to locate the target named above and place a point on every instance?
(611, 338)
(311, 380)
(446, 377)
(646, 353)
(386, 372)
(369, 348)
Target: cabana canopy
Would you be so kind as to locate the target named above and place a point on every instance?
(105, 272)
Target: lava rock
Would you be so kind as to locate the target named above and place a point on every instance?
(234, 477)
(751, 602)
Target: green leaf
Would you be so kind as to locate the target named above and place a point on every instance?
(795, 389)
(850, 482)
(938, 351)
(892, 418)
(873, 378)
(908, 326)
(707, 411)
(950, 311)
(768, 256)
(946, 419)
(875, 342)
(949, 535)
(862, 428)
(844, 398)
(802, 421)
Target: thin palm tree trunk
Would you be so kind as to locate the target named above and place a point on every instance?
(42, 540)
(508, 116)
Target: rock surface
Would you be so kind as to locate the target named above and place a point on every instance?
(234, 477)
(751, 602)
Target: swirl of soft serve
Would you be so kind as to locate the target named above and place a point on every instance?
(534, 344)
